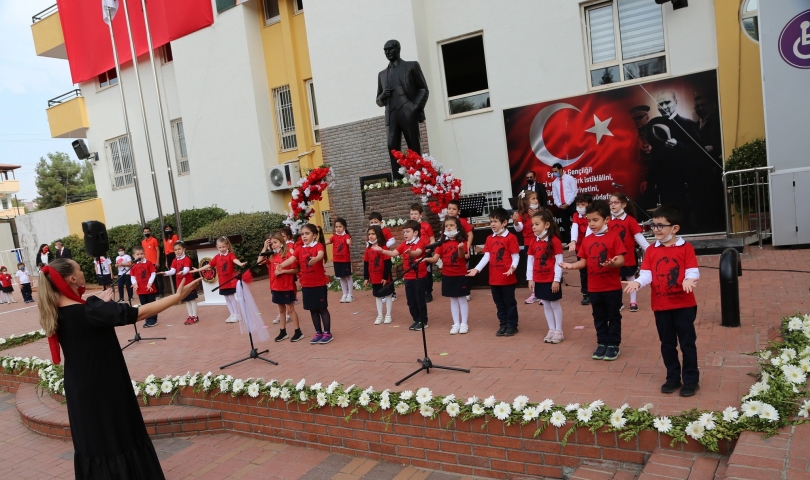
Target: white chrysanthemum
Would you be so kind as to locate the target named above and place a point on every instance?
(662, 424)
(182, 380)
(166, 386)
(224, 385)
(471, 400)
(275, 392)
(321, 398)
(751, 408)
(596, 405)
(302, 396)
(789, 353)
(385, 403)
(406, 395)
(253, 390)
(402, 408)
(151, 389)
(558, 419)
(285, 394)
(776, 361)
(695, 430)
(804, 411)
(490, 401)
(768, 412)
(477, 409)
(530, 413)
(136, 388)
(350, 388)
(426, 410)
(150, 379)
(520, 402)
(238, 385)
(545, 405)
(758, 389)
(300, 385)
(584, 415)
(617, 420)
(806, 351)
(343, 401)
(804, 363)
(450, 398)
(206, 383)
(331, 388)
(646, 408)
(795, 324)
(730, 414)
(452, 409)
(502, 411)
(794, 374)
(364, 399)
(316, 387)
(707, 420)
(424, 395)
(571, 407)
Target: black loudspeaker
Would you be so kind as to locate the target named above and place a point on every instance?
(81, 149)
(96, 243)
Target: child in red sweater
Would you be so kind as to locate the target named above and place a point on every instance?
(455, 284)
(377, 271)
(341, 243)
(142, 273)
(282, 284)
(623, 222)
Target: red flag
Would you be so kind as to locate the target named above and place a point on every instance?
(87, 37)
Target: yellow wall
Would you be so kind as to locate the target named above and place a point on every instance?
(79, 212)
(286, 58)
(68, 119)
(739, 78)
(47, 34)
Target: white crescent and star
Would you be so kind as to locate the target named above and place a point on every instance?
(538, 143)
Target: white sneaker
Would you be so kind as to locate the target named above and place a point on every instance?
(454, 330)
(378, 320)
(469, 297)
(349, 299)
(463, 328)
(229, 319)
(343, 299)
(278, 319)
(233, 319)
(388, 319)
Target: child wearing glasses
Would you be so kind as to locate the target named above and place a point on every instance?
(623, 222)
(671, 269)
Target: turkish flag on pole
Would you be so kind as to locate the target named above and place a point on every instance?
(87, 36)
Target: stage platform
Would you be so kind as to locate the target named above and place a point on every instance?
(716, 246)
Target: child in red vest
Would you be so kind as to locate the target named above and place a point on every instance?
(580, 230)
(623, 222)
(224, 263)
(181, 267)
(544, 272)
(282, 284)
(455, 284)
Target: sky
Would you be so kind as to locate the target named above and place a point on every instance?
(27, 82)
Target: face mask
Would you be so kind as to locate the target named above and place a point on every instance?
(147, 235)
(451, 233)
(276, 250)
(529, 182)
(556, 174)
(121, 254)
(22, 268)
(534, 206)
(45, 250)
(581, 210)
(619, 213)
(80, 289)
(169, 232)
(667, 238)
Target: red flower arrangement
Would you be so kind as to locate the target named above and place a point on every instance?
(429, 180)
(309, 191)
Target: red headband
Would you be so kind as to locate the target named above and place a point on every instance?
(61, 285)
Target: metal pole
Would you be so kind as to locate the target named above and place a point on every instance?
(143, 115)
(126, 122)
(726, 203)
(162, 122)
(759, 213)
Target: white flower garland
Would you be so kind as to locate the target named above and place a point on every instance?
(382, 185)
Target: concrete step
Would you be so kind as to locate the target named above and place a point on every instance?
(603, 472)
(669, 465)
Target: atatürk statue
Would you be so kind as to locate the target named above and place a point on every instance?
(402, 89)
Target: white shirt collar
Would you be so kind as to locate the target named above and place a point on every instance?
(181, 257)
(310, 245)
(412, 241)
(603, 231)
(503, 233)
(624, 214)
(340, 234)
(672, 117)
(678, 243)
(224, 254)
(544, 238)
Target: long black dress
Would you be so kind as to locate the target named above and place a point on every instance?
(109, 435)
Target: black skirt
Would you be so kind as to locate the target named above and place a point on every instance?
(628, 271)
(282, 298)
(343, 269)
(227, 291)
(543, 292)
(8, 289)
(105, 279)
(381, 291)
(455, 286)
(190, 297)
(314, 298)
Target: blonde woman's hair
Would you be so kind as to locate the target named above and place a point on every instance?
(49, 296)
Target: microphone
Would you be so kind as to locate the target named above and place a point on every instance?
(617, 185)
(433, 246)
(266, 254)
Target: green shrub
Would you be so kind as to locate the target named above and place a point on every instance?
(251, 226)
(76, 246)
(751, 155)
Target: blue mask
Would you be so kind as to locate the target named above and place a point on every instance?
(556, 174)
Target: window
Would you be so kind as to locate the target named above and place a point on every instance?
(120, 158)
(271, 12)
(326, 217)
(223, 5)
(299, 6)
(313, 112)
(107, 79)
(180, 152)
(167, 53)
(285, 123)
(492, 200)
(4, 201)
(465, 75)
(749, 18)
(639, 49)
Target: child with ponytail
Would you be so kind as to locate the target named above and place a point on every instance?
(377, 270)
(623, 222)
(544, 272)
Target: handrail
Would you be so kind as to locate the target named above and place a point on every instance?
(755, 169)
(64, 97)
(45, 13)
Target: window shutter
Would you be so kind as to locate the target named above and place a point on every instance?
(603, 43)
(642, 28)
(223, 5)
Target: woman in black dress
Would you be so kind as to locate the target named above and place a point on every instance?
(44, 255)
(109, 435)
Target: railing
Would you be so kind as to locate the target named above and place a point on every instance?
(80, 197)
(64, 97)
(748, 203)
(45, 13)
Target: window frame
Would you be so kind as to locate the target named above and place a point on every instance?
(447, 114)
(618, 61)
(111, 162)
(326, 220)
(296, 9)
(163, 55)
(100, 87)
(176, 140)
(314, 124)
(272, 20)
(282, 130)
(744, 15)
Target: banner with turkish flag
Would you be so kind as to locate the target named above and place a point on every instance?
(658, 142)
(87, 36)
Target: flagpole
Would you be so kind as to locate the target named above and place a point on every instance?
(143, 115)
(126, 119)
(162, 122)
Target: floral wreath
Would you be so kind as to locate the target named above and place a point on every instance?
(429, 180)
(304, 196)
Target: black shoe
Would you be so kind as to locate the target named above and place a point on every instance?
(510, 331)
(419, 326)
(633, 307)
(599, 353)
(670, 387)
(297, 336)
(586, 300)
(689, 389)
(501, 331)
(413, 326)
(149, 324)
(428, 297)
(282, 334)
(612, 353)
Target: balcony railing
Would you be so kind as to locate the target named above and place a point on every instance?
(45, 13)
(64, 97)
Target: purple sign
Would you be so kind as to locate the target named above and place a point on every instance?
(794, 41)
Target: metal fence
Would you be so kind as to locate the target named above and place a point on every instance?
(748, 204)
(45, 13)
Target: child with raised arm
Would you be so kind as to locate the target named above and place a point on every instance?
(375, 218)
(670, 268)
(623, 221)
(180, 268)
(602, 254)
(412, 250)
(224, 263)
(580, 230)
(282, 284)
(528, 204)
(377, 270)
(454, 210)
(341, 243)
(142, 274)
(502, 253)
(544, 273)
(455, 284)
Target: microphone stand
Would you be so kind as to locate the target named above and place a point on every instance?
(137, 338)
(254, 352)
(427, 364)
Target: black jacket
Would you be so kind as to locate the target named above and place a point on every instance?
(65, 253)
(413, 83)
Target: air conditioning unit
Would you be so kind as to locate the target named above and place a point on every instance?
(284, 177)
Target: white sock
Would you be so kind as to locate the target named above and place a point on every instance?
(454, 309)
(632, 278)
(3, 297)
(350, 285)
(189, 308)
(465, 309)
(549, 311)
(379, 306)
(344, 286)
(556, 307)
(389, 302)
(193, 308)
(230, 301)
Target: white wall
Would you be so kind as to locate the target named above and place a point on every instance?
(534, 49)
(217, 84)
(34, 229)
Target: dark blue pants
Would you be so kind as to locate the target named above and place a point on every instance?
(25, 289)
(149, 298)
(504, 297)
(583, 279)
(607, 320)
(415, 294)
(678, 327)
(124, 281)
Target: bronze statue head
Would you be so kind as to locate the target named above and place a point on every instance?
(391, 50)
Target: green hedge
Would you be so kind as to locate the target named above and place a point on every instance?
(750, 155)
(76, 246)
(252, 226)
